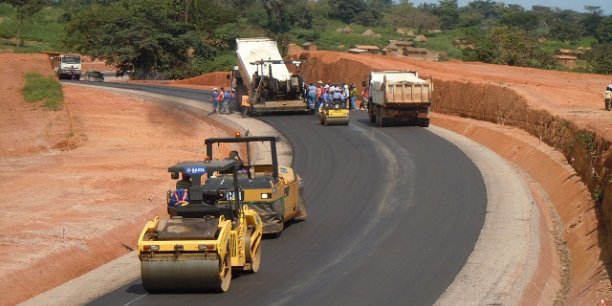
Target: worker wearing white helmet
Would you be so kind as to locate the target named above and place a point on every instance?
(345, 93)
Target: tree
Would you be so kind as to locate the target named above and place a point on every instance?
(208, 15)
(525, 20)
(147, 37)
(599, 58)
(346, 10)
(603, 34)
(25, 9)
(368, 17)
(448, 11)
(301, 15)
(406, 15)
(590, 19)
(487, 8)
(564, 30)
(507, 46)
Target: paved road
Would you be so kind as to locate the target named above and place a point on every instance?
(394, 215)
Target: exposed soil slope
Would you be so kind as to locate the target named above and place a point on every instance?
(78, 184)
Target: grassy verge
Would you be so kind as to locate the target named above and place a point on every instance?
(46, 89)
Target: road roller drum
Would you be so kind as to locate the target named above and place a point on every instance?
(196, 249)
(189, 273)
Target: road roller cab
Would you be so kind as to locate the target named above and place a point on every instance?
(273, 191)
(334, 113)
(206, 237)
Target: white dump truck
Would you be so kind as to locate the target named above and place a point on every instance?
(69, 67)
(399, 97)
(262, 80)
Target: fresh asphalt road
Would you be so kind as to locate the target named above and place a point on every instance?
(394, 214)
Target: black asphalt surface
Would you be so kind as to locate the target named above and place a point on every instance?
(393, 215)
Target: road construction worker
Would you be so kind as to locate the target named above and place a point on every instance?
(233, 155)
(215, 99)
(352, 96)
(338, 96)
(311, 95)
(345, 93)
(319, 94)
(224, 100)
(323, 97)
(608, 98)
(327, 96)
(184, 183)
(365, 97)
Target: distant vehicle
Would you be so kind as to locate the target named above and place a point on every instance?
(274, 191)
(334, 113)
(94, 76)
(262, 80)
(399, 97)
(69, 67)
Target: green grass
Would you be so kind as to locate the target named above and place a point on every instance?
(329, 39)
(46, 89)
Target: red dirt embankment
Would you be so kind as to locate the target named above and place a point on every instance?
(564, 110)
(215, 79)
(206, 81)
(78, 184)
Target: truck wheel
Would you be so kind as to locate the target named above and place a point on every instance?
(245, 112)
(423, 122)
(372, 117)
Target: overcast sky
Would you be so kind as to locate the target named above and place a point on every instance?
(576, 5)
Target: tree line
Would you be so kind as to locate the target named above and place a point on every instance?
(179, 38)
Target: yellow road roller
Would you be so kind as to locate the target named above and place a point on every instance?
(334, 113)
(273, 191)
(208, 234)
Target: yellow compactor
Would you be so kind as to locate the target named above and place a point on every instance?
(209, 234)
(334, 113)
(273, 191)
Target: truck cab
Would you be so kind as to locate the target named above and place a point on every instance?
(69, 67)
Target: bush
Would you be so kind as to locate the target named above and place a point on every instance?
(223, 62)
(40, 88)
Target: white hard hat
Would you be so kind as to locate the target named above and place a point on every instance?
(216, 88)
(326, 86)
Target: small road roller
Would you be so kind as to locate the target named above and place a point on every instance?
(273, 191)
(334, 113)
(209, 233)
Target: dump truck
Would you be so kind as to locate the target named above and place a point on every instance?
(262, 80)
(209, 233)
(68, 67)
(274, 191)
(399, 97)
